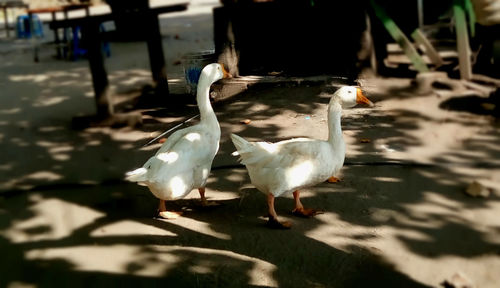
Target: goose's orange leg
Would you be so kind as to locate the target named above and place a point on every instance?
(300, 210)
(273, 217)
(164, 214)
(333, 179)
(204, 201)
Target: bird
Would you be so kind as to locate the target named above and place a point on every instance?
(184, 160)
(288, 166)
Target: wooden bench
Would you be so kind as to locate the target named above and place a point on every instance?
(148, 19)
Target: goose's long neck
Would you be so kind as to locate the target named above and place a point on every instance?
(207, 115)
(334, 126)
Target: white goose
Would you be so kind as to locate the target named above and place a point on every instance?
(183, 162)
(288, 166)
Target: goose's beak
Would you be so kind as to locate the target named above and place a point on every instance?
(361, 99)
(226, 74)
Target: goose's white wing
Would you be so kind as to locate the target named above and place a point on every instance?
(285, 166)
(181, 164)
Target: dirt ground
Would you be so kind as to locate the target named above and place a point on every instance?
(398, 218)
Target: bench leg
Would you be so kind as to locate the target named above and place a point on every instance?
(156, 55)
(104, 104)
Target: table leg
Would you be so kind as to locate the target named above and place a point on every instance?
(90, 32)
(66, 47)
(6, 19)
(57, 41)
(33, 37)
(156, 55)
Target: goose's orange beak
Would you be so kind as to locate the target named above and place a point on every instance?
(226, 74)
(361, 98)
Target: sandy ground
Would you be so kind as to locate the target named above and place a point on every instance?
(398, 218)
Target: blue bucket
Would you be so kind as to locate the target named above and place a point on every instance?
(193, 64)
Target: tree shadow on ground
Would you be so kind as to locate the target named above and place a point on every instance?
(295, 259)
(471, 104)
(230, 244)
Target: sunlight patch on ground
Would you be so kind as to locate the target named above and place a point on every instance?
(131, 77)
(19, 284)
(46, 175)
(438, 211)
(48, 129)
(237, 176)
(37, 78)
(19, 142)
(408, 238)
(89, 94)
(436, 204)
(61, 149)
(10, 111)
(49, 101)
(60, 78)
(47, 144)
(342, 234)
(5, 167)
(93, 142)
(175, 80)
(202, 227)
(51, 219)
(127, 146)
(439, 179)
(156, 261)
(129, 227)
(388, 179)
(58, 151)
(131, 136)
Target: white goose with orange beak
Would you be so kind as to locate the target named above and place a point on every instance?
(288, 166)
(183, 162)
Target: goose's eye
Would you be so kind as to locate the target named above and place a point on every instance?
(349, 92)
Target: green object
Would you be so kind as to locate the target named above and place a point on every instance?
(463, 47)
(400, 38)
(466, 5)
(472, 17)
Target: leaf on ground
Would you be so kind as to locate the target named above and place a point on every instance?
(458, 280)
(245, 121)
(476, 189)
(333, 180)
(488, 106)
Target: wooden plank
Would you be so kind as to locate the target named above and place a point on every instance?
(400, 38)
(420, 38)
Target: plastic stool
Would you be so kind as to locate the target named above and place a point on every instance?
(24, 28)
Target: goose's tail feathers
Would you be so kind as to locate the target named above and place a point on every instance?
(241, 144)
(247, 151)
(137, 175)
